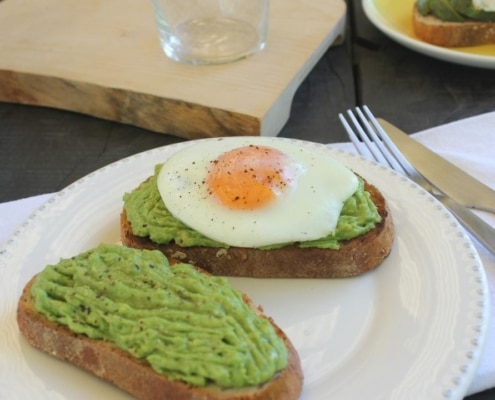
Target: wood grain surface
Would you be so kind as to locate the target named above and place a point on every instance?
(102, 58)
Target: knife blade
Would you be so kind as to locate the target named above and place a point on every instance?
(447, 177)
(474, 224)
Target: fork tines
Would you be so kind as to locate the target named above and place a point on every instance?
(370, 139)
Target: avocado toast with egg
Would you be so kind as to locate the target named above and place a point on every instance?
(157, 331)
(353, 225)
(455, 23)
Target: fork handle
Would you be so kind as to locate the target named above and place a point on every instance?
(475, 225)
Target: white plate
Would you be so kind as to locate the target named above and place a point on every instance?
(394, 18)
(412, 329)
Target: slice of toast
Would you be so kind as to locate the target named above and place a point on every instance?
(105, 360)
(354, 257)
(452, 34)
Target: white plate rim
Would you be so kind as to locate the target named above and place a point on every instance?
(455, 378)
(441, 53)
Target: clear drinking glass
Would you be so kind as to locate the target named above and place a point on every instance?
(211, 31)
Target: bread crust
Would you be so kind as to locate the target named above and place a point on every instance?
(135, 376)
(452, 34)
(354, 257)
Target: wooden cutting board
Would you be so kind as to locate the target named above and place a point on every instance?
(103, 58)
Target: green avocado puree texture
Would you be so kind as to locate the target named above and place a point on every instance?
(191, 326)
(455, 10)
(149, 217)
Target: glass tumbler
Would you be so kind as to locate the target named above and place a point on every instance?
(211, 31)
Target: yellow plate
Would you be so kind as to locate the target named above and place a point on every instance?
(394, 18)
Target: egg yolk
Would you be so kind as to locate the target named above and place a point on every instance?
(250, 177)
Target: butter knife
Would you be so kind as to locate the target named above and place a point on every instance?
(474, 224)
(448, 178)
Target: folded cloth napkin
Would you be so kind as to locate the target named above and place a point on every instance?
(468, 143)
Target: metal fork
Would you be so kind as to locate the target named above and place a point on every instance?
(371, 141)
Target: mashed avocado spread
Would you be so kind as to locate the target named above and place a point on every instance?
(149, 217)
(188, 325)
(455, 10)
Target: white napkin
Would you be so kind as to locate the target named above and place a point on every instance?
(469, 143)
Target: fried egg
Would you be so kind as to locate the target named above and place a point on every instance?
(255, 191)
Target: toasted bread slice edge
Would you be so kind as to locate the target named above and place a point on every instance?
(136, 377)
(452, 34)
(355, 256)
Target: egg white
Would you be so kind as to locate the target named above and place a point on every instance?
(485, 5)
(307, 211)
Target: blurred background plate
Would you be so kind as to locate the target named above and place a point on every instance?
(394, 18)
